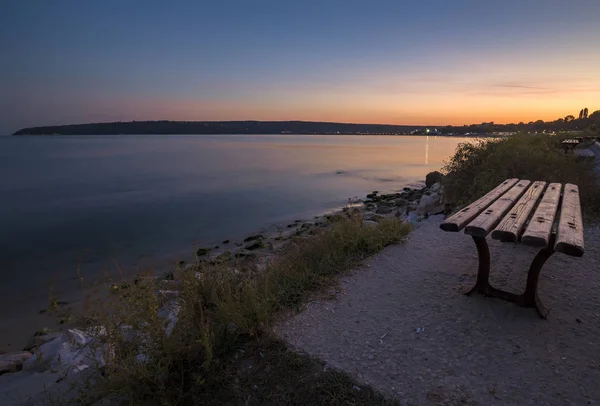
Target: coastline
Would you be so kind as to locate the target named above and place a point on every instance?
(248, 255)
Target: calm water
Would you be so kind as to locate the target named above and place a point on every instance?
(93, 202)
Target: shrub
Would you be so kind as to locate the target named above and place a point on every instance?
(480, 165)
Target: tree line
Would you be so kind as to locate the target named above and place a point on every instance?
(589, 123)
(216, 127)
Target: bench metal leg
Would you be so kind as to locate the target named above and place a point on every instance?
(530, 297)
(482, 285)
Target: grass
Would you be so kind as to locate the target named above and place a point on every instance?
(480, 165)
(221, 350)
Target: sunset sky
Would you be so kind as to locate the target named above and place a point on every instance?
(430, 62)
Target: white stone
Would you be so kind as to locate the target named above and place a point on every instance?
(413, 218)
(427, 203)
(73, 351)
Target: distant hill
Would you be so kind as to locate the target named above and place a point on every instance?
(218, 127)
(590, 123)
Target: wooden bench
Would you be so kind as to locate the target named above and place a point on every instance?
(533, 213)
(570, 144)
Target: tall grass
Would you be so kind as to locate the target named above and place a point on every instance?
(480, 165)
(221, 313)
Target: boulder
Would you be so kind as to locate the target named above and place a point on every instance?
(413, 218)
(427, 203)
(255, 245)
(412, 206)
(435, 187)
(400, 202)
(440, 209)
(384, 210)
(202, 251)
(258, 236)
(432, 177)
(13, 361)
(40, 339)
(7, 367)
(17, 356)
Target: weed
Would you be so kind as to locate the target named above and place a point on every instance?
(223, 325)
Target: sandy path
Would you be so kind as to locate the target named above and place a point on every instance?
(473, 350)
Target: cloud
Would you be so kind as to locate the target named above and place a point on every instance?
(512, 89)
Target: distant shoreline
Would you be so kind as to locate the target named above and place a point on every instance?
(241, 127)
(166, 127)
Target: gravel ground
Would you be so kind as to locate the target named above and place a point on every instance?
(471, 350)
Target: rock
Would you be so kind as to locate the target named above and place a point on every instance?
(412, 206)
(375, 218)
(401, 202)
(40, 339)
(413, 218)
(384, 210)
(243, 254)
(440, 209)
(256, 245)
(416, 196)
(435, 187)
(371, 195)
(76, 350)
(13, 361)
(225, 241)
(7, 367)
(432, 177)
(370, 223)
(202, 252)
(226, 256)
(427, 203)
(17, 356)
(254, 238)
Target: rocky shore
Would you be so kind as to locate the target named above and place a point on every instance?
(52, 355)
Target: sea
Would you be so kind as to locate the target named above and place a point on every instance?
(75, 207)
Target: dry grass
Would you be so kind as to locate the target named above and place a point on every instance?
(223, 329)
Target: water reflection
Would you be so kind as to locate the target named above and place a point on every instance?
(91, 200)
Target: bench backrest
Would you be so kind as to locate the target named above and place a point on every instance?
(534, 213)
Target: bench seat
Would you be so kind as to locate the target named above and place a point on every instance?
(521, 211)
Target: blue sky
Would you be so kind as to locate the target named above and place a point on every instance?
(427, 62)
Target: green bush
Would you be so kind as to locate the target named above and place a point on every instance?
(480, 165)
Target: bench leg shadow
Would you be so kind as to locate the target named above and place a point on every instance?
(529, 298)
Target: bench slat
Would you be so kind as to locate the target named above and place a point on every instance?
(540, 226)
(457, 221)
(569, 237)
(513, 224)
(490, 217)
